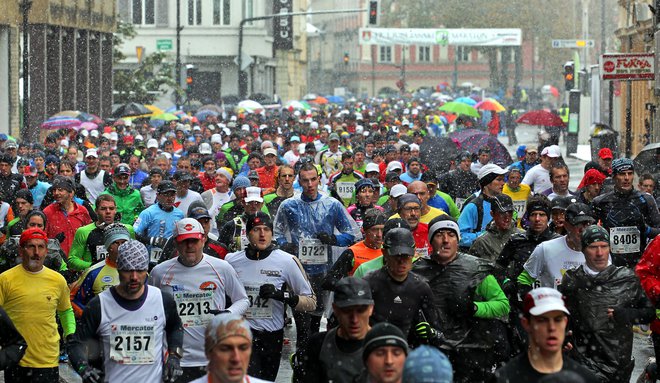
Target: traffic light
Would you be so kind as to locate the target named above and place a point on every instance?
(190, 70)
(373, 12)
(569, 75)
(346, 58)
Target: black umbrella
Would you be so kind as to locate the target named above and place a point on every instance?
(647, 161)
(437, 152)
(131, 109)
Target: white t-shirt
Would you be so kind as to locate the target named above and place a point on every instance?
(148, 195)
(196, 291)
(213, 199)
(291, 158)
(183, 203)
(539, 178)
(550, 260)
(278, 268)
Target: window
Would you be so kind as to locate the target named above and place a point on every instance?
(424, 54)
(221, 12)
(144, 12)
(194, 12)
(385, 54)
(248, 10)
(463, 53)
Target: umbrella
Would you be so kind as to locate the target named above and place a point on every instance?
(647, 161)
(310, 96)
(466, 100)
(132, 109)
(441, 97)
(62, 122)
(319, 100)
(203, 114)
(490, 104)
(82, 116)
(336, 100)
(456, 107)
(88, 126)
(212, 107)
(165, 117)
(297, 105)
(550, 89)
(154, 109)
(541, 118)
(437, 152)
(250, 106)
(473, 139)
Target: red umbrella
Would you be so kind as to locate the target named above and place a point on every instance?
(541, 118)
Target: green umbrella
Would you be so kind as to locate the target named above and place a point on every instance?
(459, 108)
(165, 117)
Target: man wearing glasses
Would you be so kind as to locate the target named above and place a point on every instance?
(129, 201)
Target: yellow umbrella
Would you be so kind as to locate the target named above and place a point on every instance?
(490, 104)
(154, 109)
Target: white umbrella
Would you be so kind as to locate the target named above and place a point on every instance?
(250, 106)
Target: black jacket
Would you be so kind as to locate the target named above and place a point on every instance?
(12, 343)
(604, 344)
(516, 252)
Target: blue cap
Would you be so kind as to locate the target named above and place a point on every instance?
(522, 149)
(427, 364)
(363, 183)
(3, 137)
(240, 182)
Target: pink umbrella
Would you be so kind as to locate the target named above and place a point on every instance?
(88, 126)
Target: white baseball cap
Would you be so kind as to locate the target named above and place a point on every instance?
(205, 148)
(152, 143)
(543, 300)
(188, 228)
(394, 165)
(253, 194)
(216, 139)
(92, 153)
(270, 151)
(491, 169)
(552, 151)
(371, 167)
(398, 190)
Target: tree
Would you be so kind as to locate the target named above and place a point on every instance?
(143, 83)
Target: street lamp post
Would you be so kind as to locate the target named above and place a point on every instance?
(178, 52)
(25, 6)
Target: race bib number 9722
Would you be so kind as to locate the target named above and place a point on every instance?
(312, 252)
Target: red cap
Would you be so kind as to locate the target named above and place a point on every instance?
(32, 233)
(605, 153)
(30, 171)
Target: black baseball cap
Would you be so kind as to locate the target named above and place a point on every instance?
(181, 175)
(563, 202)
(501, 203)
(352, 291)
(579, 213)
(198, 210)
(122, 169)
(399, 242)
(166, 186)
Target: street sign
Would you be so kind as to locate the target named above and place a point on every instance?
(573, 44)
(164, 45)
(246, 61)
(433, 36)
(627, 66)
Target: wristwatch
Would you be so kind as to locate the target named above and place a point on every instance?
(177, 351)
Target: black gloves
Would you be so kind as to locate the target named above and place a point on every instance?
(268, 291)
(89, 374)
(60, 237)
(327, 239)
(158, 241)
(424, 330)
(463, 305)
(172, 369)
(218, 312)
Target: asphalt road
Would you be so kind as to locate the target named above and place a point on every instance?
(642, 348)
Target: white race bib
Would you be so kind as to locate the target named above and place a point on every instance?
(101, 252)
(155, 254)
(520, 207)
(624, 240)
(312, 252)
(345, 189)
(194, 307)
(259, 308)
(132, 344)
(459, 203)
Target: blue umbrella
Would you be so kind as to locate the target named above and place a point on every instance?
(466, 100)
(336, 100)
(202, 114)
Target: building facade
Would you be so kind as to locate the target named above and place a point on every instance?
(70, 60)
(210, 43)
